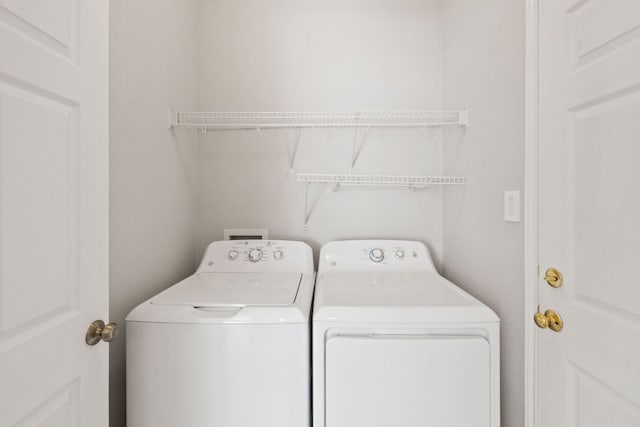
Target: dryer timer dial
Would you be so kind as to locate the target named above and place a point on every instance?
(376, 255)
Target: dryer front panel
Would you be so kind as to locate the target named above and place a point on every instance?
(381, 380)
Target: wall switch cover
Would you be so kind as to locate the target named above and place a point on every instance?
(512, 206)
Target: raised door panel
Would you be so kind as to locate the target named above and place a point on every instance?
(61, 410)
(599, 405)
(54, 24)
(38, 213)
(605, 178)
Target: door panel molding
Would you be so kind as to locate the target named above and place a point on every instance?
(593, 393)
(62, 409)
(56, 35)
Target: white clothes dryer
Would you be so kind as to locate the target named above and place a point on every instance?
(228, 346)
(396, 344)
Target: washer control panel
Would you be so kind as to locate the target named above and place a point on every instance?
(256, 251)
(256, 255)
(362, 255)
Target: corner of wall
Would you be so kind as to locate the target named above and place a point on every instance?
(152, 169)
(484, 70)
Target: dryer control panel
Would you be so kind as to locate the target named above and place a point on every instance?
(257, 256)
(375, 255)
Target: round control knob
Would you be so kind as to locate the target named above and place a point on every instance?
(278, 255)
(255, 255)
(233, 254)
(376, 255)
(399, 254)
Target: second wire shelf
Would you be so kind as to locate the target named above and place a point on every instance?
(316, 119)
(391, 181)
(381, 180)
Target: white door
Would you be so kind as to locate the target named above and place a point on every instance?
(53, 211)
(589, 212)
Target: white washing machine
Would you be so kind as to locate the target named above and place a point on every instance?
(396, 344)
(228, 346)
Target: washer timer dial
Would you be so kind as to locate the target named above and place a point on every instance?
(233, 254)
(255, 255)
(376, 255)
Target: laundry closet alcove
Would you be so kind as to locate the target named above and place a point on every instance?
(174, 190)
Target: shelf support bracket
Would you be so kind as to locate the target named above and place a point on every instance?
(357, 148)
(292, 151)
(310, 205)
(463, 117)
(173, 118)
(306, 206)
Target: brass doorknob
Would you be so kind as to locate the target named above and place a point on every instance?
(99, 331)
(553, 277)
(550, 319)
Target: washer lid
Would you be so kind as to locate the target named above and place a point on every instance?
(233, 289)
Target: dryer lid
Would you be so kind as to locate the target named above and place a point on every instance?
(233, 289)
(394, 289)
(395, 298)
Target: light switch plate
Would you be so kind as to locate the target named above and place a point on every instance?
(512, 206)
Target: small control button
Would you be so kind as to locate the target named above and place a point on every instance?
(399, 254)
(278, 255)
(376, 255)
(255, 255)
(233, 254)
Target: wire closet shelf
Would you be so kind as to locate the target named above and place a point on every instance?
(381, 180)
(317, 119)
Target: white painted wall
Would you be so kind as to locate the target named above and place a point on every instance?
(330, 55)
(484, 68)
(152, 180)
